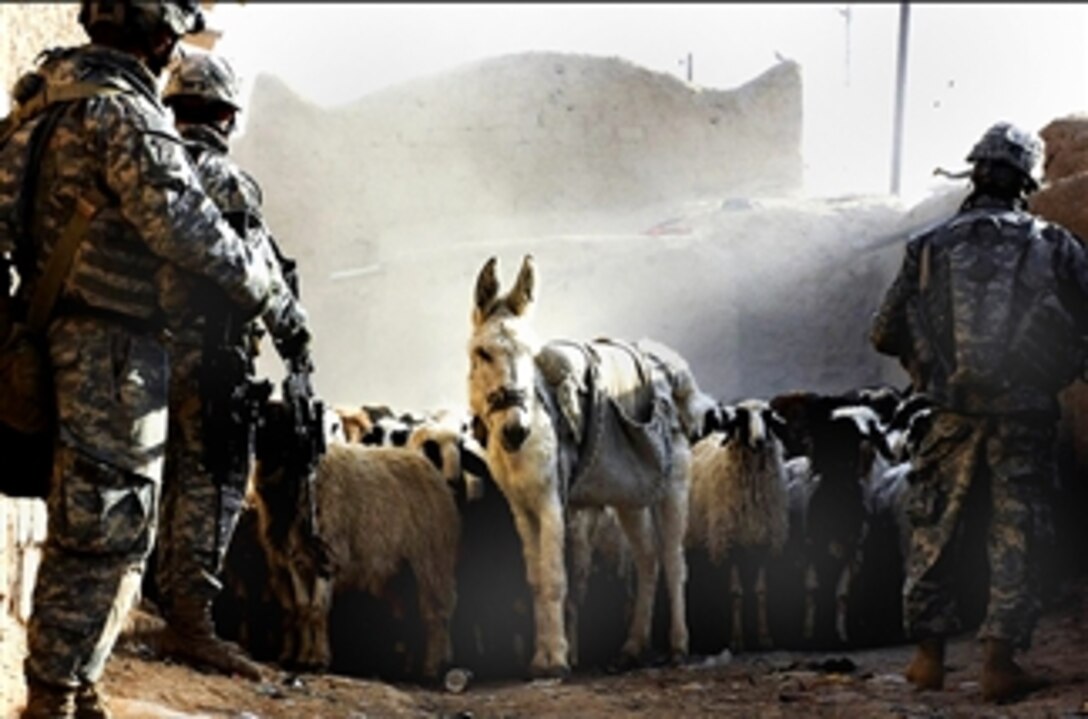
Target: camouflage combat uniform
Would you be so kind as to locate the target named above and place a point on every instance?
(992, 447)
(105, 340)
(204, 485)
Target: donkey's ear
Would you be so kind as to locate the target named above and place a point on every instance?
(487, 287)
(521, 296)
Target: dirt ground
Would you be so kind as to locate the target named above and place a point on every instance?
(776, 684)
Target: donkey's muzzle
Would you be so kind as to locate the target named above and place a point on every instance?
(513, 436)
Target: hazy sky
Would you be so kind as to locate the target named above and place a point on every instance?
(969, 64)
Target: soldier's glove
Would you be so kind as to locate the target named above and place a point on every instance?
(290, 333)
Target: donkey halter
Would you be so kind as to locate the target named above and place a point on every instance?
(506, 398)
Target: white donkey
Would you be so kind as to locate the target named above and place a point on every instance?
(573, 425)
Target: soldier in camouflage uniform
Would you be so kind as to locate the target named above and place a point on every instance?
(93, 138)
(212, 364)
(985, 314)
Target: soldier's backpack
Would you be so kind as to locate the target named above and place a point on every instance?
(27, 425)
(1010, 329)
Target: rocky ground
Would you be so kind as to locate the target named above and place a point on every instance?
(776, 684)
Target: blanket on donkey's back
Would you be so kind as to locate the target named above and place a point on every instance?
(614, 420)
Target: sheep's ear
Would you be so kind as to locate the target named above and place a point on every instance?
(880, 440)
(521, 297)
(713, 421)
(433, 453)
(487, 289)
(776, 425)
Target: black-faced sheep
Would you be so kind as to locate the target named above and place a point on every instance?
(828, 488)
(739, 514)
(376, 509)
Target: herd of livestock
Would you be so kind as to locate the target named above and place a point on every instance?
(795, 538)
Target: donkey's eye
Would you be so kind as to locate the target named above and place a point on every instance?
(483, 355)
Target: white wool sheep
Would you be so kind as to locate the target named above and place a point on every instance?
(376, 508)
(739, 505)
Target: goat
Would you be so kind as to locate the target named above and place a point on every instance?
(376, 508)
(739, 507)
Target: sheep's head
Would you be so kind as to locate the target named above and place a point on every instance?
(753, 423)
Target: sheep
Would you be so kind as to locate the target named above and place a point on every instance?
(376, 508)
(887, 544)
(739, 507)
(828, 489)
(492, 626)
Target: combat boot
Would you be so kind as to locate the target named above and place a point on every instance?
(48, 701)
(190, 636)
(926, 669)
(1002, 678)
(90, 704)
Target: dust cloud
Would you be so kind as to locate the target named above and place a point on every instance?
(653, 208)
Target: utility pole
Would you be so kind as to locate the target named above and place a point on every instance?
(900, 95)
(689, 70)
(847, 13)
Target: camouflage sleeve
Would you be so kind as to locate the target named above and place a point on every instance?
(282, 294)
(890, 333)
(239, 195)
(147, 168)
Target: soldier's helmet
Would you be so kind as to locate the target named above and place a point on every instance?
(1005, 142)
(205, 77)
(181, 17)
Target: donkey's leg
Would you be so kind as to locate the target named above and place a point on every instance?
(542, 546)
(551, 658)
(672, 521)
(579, 524)
(638, 528)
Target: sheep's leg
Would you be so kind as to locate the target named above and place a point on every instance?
(437, 600)
(763, 626)
(812, 583)
(673, 524)
(320, 608)
(736, 592)
(290, 616)
(639, 532)
(306, 592)
(842, 596)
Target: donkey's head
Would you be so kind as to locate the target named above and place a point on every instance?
(501, 367)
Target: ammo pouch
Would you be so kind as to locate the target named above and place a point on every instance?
(624, 459)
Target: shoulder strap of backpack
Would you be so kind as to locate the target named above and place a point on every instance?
(87, 205)
(56, 269)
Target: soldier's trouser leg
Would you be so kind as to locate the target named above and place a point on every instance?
(111, 392)
(200, 511)
(1020, 457)
(942, 484)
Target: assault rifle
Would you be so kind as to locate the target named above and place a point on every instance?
(231, 399)
(307, 443)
